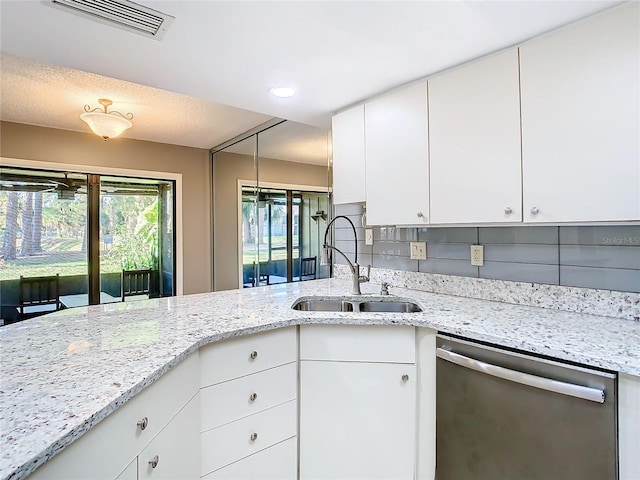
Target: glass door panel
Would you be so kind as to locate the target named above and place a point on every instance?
(272, 237)
(43, 233)
(136, 234)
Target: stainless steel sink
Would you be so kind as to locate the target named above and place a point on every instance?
(393, 306)
(323, 305)
(377, 304)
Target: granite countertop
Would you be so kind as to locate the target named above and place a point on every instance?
(63, 373)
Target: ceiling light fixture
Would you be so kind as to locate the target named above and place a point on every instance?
(283, 92)
(106, 124)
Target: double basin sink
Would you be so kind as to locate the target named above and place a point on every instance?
(366, 304)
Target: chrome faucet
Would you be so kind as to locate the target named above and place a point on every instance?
(355, 268)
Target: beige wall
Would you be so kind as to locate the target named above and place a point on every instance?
(61, 146)
(228, 168)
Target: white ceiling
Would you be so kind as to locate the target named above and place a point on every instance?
(289, 141)
(208, 79)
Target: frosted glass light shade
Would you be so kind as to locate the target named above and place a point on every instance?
(106, 125)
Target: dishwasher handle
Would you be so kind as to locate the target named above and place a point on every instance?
(579, 391)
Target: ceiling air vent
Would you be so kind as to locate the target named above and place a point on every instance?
(120, 13)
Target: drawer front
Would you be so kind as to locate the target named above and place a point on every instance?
(241, 356)
(358, 343)
(231, 442)
(279, 462)
(244, 396)
(88, 458)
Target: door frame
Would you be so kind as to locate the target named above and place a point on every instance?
(275, 185)
(125, 172)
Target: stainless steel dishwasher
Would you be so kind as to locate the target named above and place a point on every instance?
(502, 415)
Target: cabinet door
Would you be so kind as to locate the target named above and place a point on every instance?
(357, 420)
(347, 132)
(474, 141)
(176, 448)
(396, 151)
(580, 120)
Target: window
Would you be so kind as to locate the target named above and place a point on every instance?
(46, 220)
(279, 228)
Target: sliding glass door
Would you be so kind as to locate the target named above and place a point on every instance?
(282, 235)
(83, 231)
(136, 233)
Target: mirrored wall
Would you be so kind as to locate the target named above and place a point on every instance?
(270, 206)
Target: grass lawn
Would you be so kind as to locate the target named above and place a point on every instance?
(63, 256)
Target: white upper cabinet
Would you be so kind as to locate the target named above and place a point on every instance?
(474, 140)
(580, 121)
(347, 131)
(397, 167)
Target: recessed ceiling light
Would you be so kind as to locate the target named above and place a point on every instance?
(283, 92)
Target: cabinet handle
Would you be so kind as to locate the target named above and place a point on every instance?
(535, 211)
(143, 423)
(405, 378)
(508, 211)
(154, 461)
(253, 397)
(254, 437)
(420, 215)
(253, 355)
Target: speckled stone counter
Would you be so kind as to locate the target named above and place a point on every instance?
(63, 373)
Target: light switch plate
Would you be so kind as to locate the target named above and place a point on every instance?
(418, 250)
(368, 236)
(477, 255)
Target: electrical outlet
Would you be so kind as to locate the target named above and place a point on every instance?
(477, 255)
(418, 250)
(368, 236)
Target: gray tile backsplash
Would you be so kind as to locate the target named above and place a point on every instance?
(521, 253)
(603, 257)
(518, 235)
(445, 266)
(520, 272)
(606, 278)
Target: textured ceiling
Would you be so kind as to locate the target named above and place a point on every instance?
(48, 95)
(217, 53)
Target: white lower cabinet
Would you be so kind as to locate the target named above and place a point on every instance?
(273, 463)
(109, 449)
(248, 405)
(629, 426)
(357, 420)
(174, 453)
(357, 402)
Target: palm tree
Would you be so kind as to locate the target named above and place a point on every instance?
(11, 232)
(37, 222)
(26, 248)
(248, 216)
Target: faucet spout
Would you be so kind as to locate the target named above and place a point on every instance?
(354, 267)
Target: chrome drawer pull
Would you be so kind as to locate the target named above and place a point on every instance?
(254, 437)
(405, 378)
(253, 397)
(143, 423)
(578, 391)
(253, 355)
(154, 461)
